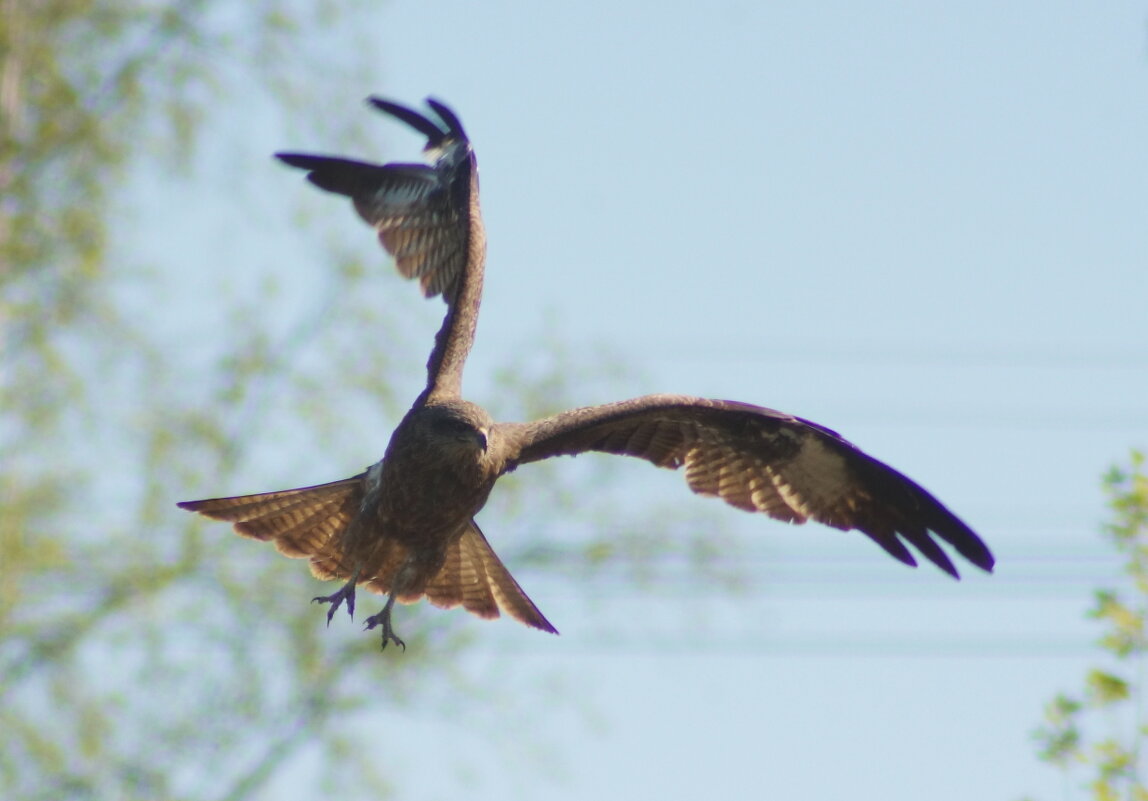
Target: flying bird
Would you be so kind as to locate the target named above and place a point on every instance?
(405, 527)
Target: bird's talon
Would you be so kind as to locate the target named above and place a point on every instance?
(384, 619)
(346, 593)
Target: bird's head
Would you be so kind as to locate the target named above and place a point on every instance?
(463, 432)
(457, 425)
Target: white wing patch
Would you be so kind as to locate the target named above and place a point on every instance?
(814, 482)
(820, 472)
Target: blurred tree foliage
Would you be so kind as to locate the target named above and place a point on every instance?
(1103, 729)
(142, 655)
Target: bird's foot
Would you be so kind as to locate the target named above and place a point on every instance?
(383, 619)
(345, 593)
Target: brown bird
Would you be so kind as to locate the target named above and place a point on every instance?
(405, 527)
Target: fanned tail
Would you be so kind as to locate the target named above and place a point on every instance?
(474, 577)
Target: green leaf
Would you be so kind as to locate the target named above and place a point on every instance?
(1104, 688)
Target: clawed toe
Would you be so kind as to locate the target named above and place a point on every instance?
(383, 619)
(345, 593)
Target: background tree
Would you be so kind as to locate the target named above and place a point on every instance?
(141, 654)
(1101, 730)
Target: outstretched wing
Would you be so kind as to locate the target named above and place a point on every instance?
(422, 214)
(761, 460)
(303, 522)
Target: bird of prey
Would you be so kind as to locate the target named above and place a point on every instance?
(405, 527)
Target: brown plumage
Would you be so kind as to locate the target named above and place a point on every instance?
(405, 527)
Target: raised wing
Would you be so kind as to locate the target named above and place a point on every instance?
(429, 219)
(425, 216)
(761, 460)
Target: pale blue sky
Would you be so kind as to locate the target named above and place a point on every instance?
(923, 225)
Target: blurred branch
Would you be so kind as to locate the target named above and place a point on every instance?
(1114, 696)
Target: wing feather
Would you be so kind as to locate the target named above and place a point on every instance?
(420, 215)
(302, 523)
(761, 460)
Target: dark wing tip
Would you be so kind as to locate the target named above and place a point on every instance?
(891, 544)
(449, 117)
(190, 506)
(917, 535)
(333, 174)
(434, 134)
(978, 553)
(947, 527)
(908, 511)
(956, 533)
(301, 160)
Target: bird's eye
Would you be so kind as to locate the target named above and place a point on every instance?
(459, 429)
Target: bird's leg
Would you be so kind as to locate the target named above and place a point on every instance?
(383, 619)
(345, 593)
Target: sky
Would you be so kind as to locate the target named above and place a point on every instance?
(923, 225)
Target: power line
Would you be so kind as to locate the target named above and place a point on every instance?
(1065, 357)
(834, 645)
